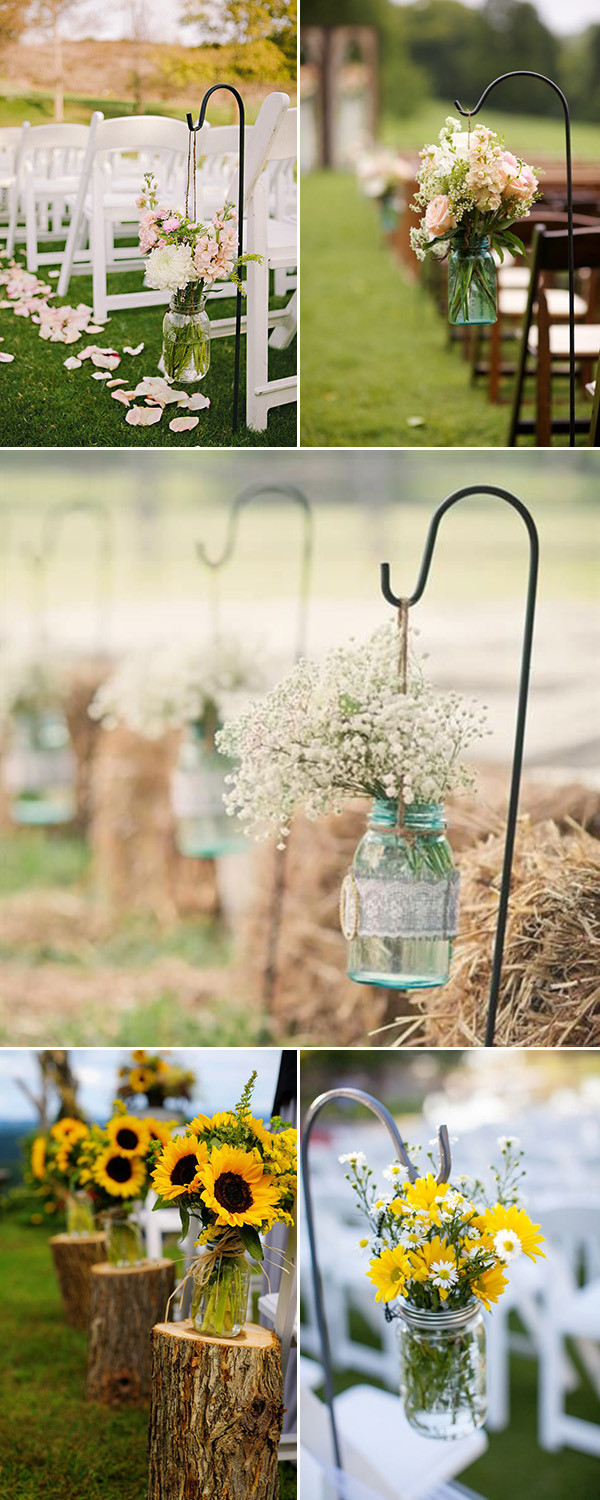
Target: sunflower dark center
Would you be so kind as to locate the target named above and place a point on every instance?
(184, 1170)
(119, 1168)
(233, 1192)
(127, 1139)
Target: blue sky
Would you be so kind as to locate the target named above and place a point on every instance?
(221, 1074)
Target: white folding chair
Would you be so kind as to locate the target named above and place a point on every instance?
(51, 165)
(15, 138)
(570, 1310)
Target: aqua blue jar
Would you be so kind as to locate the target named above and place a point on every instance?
(399, 901)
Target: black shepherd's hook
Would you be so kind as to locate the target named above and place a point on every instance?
(238, 304)
(358, 1096)
(513, 803)
(527, 73)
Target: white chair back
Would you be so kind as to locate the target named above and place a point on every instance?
(14, 190)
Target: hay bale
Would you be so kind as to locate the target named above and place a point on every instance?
(313, 1001)
(550, 988)
(136, 863)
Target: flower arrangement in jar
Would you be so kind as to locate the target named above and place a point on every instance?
(186, 259)
(471, 190)
(349, 727)
(382, 174)
(54, 1168)
(39, 764)
(155, 1078)
(114, 1166)
(440, 1253)
(236, 1176)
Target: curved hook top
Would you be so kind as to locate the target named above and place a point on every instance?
(377, 1108)
(252, 492)
(462, 494)
(515, 73)
(202, 116)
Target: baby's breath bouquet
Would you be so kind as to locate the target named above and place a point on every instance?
(237, 1178)
(471, 190)
(439, 1253)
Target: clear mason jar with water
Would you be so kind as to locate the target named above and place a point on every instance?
(443, 1369)
(186, 336)
(472, 282)
(220, 1293)
(399, 901)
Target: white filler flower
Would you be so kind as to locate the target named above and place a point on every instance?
(170, 268)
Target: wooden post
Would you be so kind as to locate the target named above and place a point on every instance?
(126, 1302)
(216, 1415)
(73, 1256)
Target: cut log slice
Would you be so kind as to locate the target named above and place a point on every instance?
(216, 1415)
(126, 1302)
(74, 1255)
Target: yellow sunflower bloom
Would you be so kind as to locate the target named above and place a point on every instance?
(389, 1273)
(177, 1169)
(236, 1187)
(518, 1222)
(435, 1262)
(160, 1130)
(140, 1055)
(212, 1123)
(425, 1195)
(128, 1134)
(490, 1286)
(141, 1079)
(38, 1157)
(120, 1176)
(67, 1128)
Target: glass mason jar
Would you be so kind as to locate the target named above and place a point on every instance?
(80, 1213)
(40, 769)
(443, 1370)
(220, 1294)
(186, 336)
(204, 829)
(124, 1243)
(472, 282)
(399, 901)
(389, 211)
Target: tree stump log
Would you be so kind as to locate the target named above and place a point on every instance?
(126, 1302)
(73, 1256)
(216, 1415)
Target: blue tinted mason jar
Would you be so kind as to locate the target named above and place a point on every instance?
(399, 901)
(472, 283)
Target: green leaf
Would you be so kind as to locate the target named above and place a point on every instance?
(160, 1203)
(184, 1215)
(251, 1242)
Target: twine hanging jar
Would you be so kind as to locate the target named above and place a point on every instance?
(221, 1286)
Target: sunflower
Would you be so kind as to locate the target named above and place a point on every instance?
(389, 1273)
(177, 1169)
(160, 1130)
(435, 1262)
(211, 1124)
(490, 1286)
(141, 1079)
(38, 1157)
(67, 1128)
(128, 1135)
(121, 1176)
(236, 1187)
(140, 1055)
(529, 1235)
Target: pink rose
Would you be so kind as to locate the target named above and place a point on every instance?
(438, 218)
(507, 169)
(523, 187)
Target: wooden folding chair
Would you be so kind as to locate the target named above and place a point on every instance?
(547, 342)
(594, 432)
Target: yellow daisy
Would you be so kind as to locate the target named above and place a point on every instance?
(128, 1134)
(424, 1195)
(389, 1273)
(177, 1169)
(518, 1222)
(490, 1285)
(435, 1262)
(236, 1187)
(121, 1176)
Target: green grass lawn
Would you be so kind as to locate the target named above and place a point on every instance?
(526, 135)
(37, 106)
(54, 1444)
(44, 405)
(375, 348)
(514, 1465)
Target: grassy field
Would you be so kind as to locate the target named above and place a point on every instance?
(531, 136)
(45, 405)
(513, 1463)
(54, 1443)
(377, 365)
(37, 106)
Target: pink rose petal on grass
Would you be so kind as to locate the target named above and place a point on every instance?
(128, 350)
(124, 396)
(143, 416)
(121, 381)
(106, 359)
(183, 424)
(100, 374)
(6, 359)
(197, 402)
(72, 363)
(94, 328)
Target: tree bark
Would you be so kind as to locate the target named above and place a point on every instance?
(216, 1415)
(126, 1302)
(73, 1256)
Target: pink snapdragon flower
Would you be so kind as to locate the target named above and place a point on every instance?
(148, 231)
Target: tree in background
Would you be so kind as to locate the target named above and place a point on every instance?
(58, 1085)
(12, 20)
(140, 35)
(246, 24)
(48, 15)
